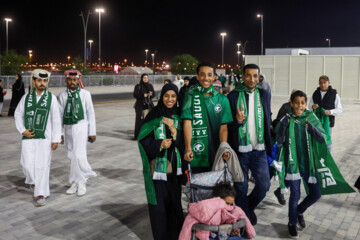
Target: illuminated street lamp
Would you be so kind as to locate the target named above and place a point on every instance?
(30, 55)
(146, 51)
(90, 41)
(328, 40)
(100, 10)
(222, 55)
(7, 33)
(262, 32)
(125, 60)
(85, 24)
(153, 57)
(238, 53)
(68, 59)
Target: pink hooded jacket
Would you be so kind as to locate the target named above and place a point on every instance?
(213, 211)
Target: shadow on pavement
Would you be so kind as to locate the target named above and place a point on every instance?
(135, 217)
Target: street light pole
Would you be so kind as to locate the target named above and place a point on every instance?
(30, 55)
(238, 51)
(90, 41)
(99, 10)
(153, 62)
(328, 40)
(222, 55)
(262, 32)
(146, 51)
(7, 33)
(85, 24)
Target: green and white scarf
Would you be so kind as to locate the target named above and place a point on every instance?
(325, 122)
(158, 127)
(73, 111)
(320, 160)
(244, 138)
(37, 113)
(200, 131)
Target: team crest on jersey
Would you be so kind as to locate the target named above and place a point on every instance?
(218, 108)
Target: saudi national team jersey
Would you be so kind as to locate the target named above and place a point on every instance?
(218, 113)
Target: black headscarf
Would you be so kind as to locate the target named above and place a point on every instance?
(161, 110)
(18, 85)
(193, 81)
(143, 84)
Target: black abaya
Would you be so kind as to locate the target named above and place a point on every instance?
(18, 90)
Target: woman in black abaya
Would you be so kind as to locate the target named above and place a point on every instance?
(18, 90)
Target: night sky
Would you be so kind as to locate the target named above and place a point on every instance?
(54, 30)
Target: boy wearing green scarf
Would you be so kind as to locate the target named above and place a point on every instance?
(205, 113)
(79, 127)
(249, 136)
(296, 132)
(37, 118)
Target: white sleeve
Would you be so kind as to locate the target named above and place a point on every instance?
(55, 121)
(311, 103)
(62, 103)
(338, 107)
(91, 115)
(19, 115)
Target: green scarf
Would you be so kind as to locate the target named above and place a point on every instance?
(292, 167)
(158, 127)
(244, 138)
(325, 122)
(199, 139)
(320, 160)
(37, 113)
(73, 111)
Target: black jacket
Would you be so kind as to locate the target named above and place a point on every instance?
(233, 135)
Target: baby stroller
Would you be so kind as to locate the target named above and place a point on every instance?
(200, 187)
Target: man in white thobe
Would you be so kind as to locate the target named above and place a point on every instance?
(79, 127)
(40, 124)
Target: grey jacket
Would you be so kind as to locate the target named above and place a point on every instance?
(233, 163)
(264, 84)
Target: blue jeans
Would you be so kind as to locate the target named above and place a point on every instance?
(257, 162)
(294, 208)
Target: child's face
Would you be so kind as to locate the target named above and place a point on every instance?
(298, 105)
(229, 200)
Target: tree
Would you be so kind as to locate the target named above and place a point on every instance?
(77, 64)
(12, 63)
(184, 64)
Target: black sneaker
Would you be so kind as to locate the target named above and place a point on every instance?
(293, 233)
(253, 218)
(280, 197)
(301, 220)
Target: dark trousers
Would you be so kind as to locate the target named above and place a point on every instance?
(257, 162)
(166, 217)
(294, 208)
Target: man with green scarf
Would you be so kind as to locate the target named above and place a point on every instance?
(37, 118)
(249, 136)
(205, 113)
(79, 127)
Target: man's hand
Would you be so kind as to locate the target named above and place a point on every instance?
(327, 112)
(166, 143)
(93, 138)
(170, 123)
(62, 140)
(188, 155)
(54, 146)
(226, 156)
(27, 133)
(240, 116)
(315, 106)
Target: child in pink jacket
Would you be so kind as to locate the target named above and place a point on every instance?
(215, 211)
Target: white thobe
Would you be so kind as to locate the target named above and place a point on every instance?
(76, 137)
(36, 153)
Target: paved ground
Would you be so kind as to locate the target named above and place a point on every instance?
(115, 205)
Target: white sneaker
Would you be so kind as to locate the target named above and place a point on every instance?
(82, 189)
(40, 202)
(72, 189)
